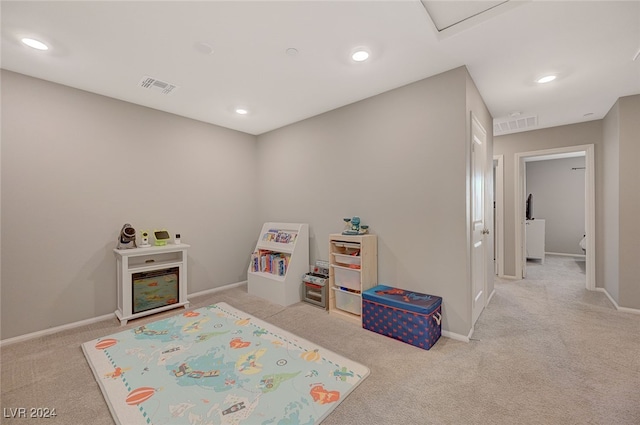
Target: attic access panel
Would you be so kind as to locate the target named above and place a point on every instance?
(450, 17)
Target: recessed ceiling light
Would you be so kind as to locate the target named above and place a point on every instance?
(588, 114)
(204, 48)
(35, 44)
(242, 111)
(292, 51)
(546, 79)
(360, 55)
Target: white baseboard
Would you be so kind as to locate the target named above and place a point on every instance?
(508, 277)
(473, 328)
(218, 289)
(628, 310)
(68, 326)
(615, 304)
(56, 329)
(562, 254)
(456, 336)
(491, 296)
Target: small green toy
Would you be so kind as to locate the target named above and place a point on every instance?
(161, 237)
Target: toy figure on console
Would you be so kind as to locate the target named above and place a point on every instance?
(354, 227)
(144, 239)
(127, 237)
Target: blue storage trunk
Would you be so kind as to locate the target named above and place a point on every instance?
(407, 316)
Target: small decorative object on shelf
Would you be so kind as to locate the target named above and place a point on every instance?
(127, 238)
(144, 239)
(161, 236)
(354, 227)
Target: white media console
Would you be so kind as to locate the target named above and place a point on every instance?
(151, 280)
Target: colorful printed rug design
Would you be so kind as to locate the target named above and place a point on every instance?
(218, 365)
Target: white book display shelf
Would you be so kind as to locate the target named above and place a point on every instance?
(279, 262)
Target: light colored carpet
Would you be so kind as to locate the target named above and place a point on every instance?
(545, 351)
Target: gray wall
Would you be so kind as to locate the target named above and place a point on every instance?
(548, 138)
(400, 161)
(558, 197)
(76, 166)
(627, 114)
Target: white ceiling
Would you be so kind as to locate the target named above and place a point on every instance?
(108, 47)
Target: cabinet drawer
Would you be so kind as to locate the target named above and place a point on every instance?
(154, 259)
(346, 277)
(347, 260)
(345, 248)
(348, 301)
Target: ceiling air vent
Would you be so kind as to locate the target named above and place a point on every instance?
(513, 125)
(163, 87)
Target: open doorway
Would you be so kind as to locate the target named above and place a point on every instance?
(589, 204)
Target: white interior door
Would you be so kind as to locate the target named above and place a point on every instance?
(478, 228)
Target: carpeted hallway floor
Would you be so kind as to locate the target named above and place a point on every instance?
(545, 351)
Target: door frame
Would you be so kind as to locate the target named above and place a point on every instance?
(590, 206)
(498, 231)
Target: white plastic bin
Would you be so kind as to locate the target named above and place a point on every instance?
(347, 259)
(346, 277)
(348, 301)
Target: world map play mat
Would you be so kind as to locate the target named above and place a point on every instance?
(218, 365)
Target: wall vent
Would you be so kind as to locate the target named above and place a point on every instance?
(163, 87)
(513, 125)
